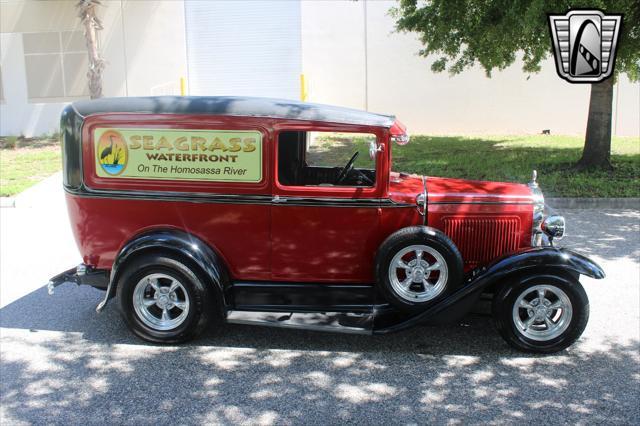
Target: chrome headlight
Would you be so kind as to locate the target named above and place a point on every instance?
(554, 227)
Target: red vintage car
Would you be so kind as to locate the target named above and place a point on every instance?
(195, 210)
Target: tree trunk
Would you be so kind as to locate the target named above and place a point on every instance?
(91, 23)
(597, 144)
(94, 74)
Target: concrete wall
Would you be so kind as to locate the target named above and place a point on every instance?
(143, 43)
(333, 53)
(346, 60)
(392, 78)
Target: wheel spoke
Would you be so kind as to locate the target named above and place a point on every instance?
(165, 314)
(435, 266)
(556, 305)
(149, 302)
(528, 323)
(549, 323)
(541, 295)
(406, 283)
(427, 284)
(180, 305)
(154, 283)
(174, 286)
(402, 264)
(418, 256)
(525, 304)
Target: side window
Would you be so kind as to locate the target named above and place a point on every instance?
(325, 159)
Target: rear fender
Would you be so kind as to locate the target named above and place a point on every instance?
(178, 243)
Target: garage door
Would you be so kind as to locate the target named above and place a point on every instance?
(244, 48)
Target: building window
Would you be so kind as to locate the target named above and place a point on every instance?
(56, 65)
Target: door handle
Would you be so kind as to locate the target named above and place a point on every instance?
(277, 199)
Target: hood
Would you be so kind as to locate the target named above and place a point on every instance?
(404, 188)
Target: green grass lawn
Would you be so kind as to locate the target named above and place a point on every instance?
(511, 159)
(21, 168)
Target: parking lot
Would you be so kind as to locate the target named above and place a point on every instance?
(63, 363)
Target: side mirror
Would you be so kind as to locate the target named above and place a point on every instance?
(374, 149)
(400, 139)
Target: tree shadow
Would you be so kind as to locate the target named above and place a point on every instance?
(608, 234)
(71, 310)
(255, 375)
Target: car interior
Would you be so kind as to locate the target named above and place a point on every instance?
(294, 170)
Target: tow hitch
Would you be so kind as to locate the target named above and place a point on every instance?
(80, 275)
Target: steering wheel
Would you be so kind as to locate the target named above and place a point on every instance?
(347, 168)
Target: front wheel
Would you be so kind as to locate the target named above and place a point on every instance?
(545, 313)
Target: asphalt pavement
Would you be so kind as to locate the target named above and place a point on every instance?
(61, 363)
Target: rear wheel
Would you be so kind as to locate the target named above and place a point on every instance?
(542, 313)
(163, 300)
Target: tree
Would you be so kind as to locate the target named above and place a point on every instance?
(462, 33)
(91, 22)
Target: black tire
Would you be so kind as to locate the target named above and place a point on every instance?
(404, 239)
(507, 296)
(201, 305)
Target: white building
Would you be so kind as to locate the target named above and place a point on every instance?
(347, 51)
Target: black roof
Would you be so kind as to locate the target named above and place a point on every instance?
(232, 105)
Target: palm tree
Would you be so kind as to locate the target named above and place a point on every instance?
(91, 22)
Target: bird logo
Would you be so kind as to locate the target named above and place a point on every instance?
(112, 153)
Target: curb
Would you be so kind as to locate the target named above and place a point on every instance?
(594, 203)
(7, 202)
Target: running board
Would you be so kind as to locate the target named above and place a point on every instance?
(340, 322)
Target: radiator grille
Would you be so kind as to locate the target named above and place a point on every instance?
(483, 239)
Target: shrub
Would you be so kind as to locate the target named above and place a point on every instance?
(9, 142)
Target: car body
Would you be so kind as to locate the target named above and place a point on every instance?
(227, 187)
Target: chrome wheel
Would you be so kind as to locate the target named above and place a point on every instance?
(161, 302)
(542, 312)
(418, 273)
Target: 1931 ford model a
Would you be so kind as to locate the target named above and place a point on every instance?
(191, 210)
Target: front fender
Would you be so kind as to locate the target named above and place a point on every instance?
(539, 257)
(526, 261)
(181, 244)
